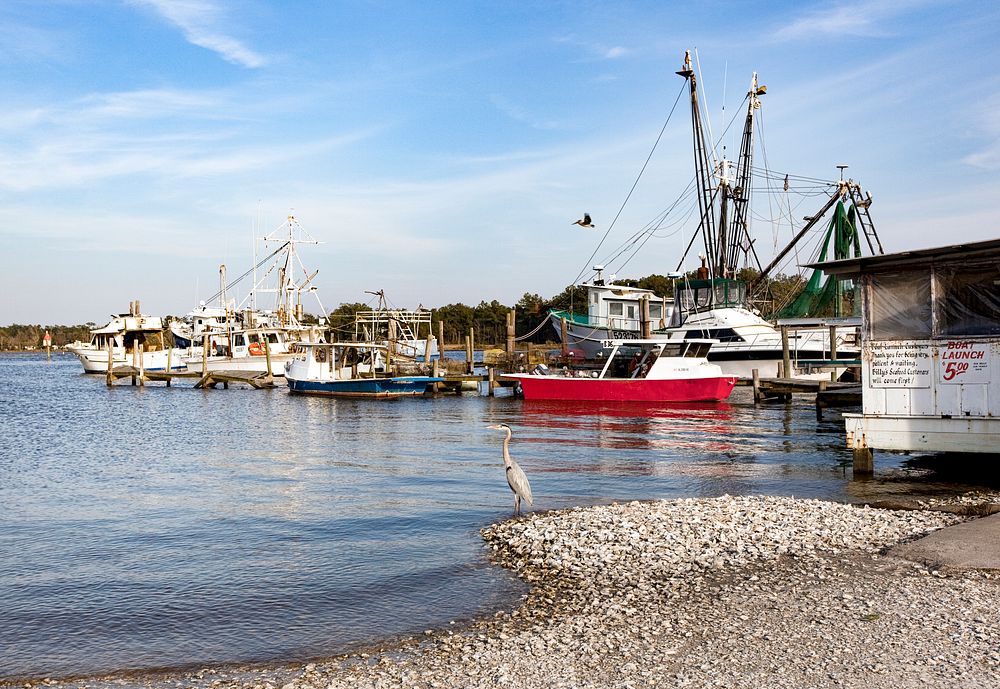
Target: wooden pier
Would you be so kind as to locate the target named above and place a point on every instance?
(828, 393)
(255, 379)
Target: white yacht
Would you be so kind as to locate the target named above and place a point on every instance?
(123, 334)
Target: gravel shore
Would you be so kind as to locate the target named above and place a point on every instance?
(722, 592)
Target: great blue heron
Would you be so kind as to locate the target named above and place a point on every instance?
(516, 479)
(584, 221)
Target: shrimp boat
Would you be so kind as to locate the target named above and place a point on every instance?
(715, 301)
(348, 369)
(242, 337)
(635, 371)
(122, 335)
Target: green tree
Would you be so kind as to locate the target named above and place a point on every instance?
(341, 319)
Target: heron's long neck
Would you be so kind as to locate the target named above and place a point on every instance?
(506, 449)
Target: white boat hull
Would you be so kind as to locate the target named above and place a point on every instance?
(248, 363)
(96, 360)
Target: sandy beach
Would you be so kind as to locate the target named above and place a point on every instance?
(720, 592)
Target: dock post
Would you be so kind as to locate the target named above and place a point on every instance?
(142, 364)
(111, 359)
(135, 365)
(645, 327)
(786, 357)
(820, 400)
(440, 339)
(564, 336)
(428, 346)
(468, 355)
(511, 320)
(756, 386)
(492, 380)
(833, 342)
(204, 363)
(267, 357)
(436, 371)
(472, 349)
(864, 461)
(170, 352)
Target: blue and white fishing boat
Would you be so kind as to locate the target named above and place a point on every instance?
(348, 369)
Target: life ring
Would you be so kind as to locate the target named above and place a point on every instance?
(256, 349)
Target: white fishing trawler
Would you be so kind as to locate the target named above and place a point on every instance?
(712, 302)
(122, 336)
(241, 336)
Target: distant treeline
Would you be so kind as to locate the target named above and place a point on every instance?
(19, 336)
(489, 319)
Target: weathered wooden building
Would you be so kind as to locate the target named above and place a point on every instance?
(930, 350)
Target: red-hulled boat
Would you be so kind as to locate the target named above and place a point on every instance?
(635, 371)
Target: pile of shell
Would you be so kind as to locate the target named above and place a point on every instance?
(624, 544)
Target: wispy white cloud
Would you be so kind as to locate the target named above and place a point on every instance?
(987, 129)
(859, 19)
(173, 134)
(521, 114)
(594, 50)
(30, 43)
(199, 21)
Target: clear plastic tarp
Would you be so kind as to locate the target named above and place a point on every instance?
(968, 299)
(900, 305)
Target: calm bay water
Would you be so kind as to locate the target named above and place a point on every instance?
(169, 527)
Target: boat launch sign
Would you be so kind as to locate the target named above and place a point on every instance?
(964, 362)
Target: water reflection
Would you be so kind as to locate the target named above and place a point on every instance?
(166, 526)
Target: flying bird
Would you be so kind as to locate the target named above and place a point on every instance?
(584, 221)
(516, 479)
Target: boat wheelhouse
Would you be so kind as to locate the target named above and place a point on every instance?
(122, 335)
(930, 351)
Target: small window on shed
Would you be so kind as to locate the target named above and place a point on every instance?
(615, 308)
(968, 299)
(900, 305)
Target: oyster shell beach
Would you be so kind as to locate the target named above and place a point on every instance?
(729, 591)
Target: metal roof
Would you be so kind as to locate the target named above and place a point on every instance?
(874, 264)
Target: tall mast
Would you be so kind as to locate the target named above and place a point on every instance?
(742, 243)
(703, 169)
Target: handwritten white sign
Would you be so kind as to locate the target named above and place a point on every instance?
(899, 365)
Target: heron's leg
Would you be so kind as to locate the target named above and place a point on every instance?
(517, 504)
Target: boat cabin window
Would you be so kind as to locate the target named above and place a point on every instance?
(673, 349)
(698, 349)
(239, 340)
(900, 304)
(320, 354)
(615, 308)
(253, 337)
(968, 299)
(273, 338)
(655, 310)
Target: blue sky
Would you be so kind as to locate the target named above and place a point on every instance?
(441, 150)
